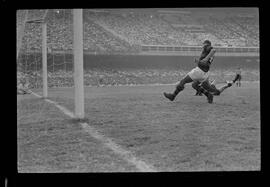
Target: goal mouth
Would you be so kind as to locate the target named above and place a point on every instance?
(42, 30)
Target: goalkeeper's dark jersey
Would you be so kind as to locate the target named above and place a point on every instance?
(205, 66)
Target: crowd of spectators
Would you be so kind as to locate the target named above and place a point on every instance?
(234, 30)
(107, 32)
(155, 29)
(32, 31)
(123, 32)
(98, 39)
(248, 27)
(142, 29)
(113, 77)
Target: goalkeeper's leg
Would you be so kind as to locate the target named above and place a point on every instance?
(221, 89)
(217, 91)
(213, 89)
(230, 83)
(198, 86)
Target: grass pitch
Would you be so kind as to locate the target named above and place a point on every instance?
(185, 135)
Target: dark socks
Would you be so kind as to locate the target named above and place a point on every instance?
(177, 90)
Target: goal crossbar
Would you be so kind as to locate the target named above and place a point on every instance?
(35, 21)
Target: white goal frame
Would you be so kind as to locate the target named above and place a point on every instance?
(77, 59)
(78, 62)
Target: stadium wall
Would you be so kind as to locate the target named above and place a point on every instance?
(191, 53)
(91, 61)
(196, 50)
(165, 62)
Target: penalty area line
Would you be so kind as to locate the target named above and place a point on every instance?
(109, 143)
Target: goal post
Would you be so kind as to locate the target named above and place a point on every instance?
(78, 62)
(44, 54)
(44, 60)
(61, 31)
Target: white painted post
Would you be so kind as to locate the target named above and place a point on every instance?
(44, 59)
(78, 62)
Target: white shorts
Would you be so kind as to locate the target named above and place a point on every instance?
(196, 74)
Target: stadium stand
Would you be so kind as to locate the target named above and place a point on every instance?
(122, 32)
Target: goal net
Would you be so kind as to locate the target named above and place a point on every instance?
(59, 48)
(59, 52)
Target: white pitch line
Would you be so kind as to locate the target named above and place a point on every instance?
(35, 94)
(126, 155)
